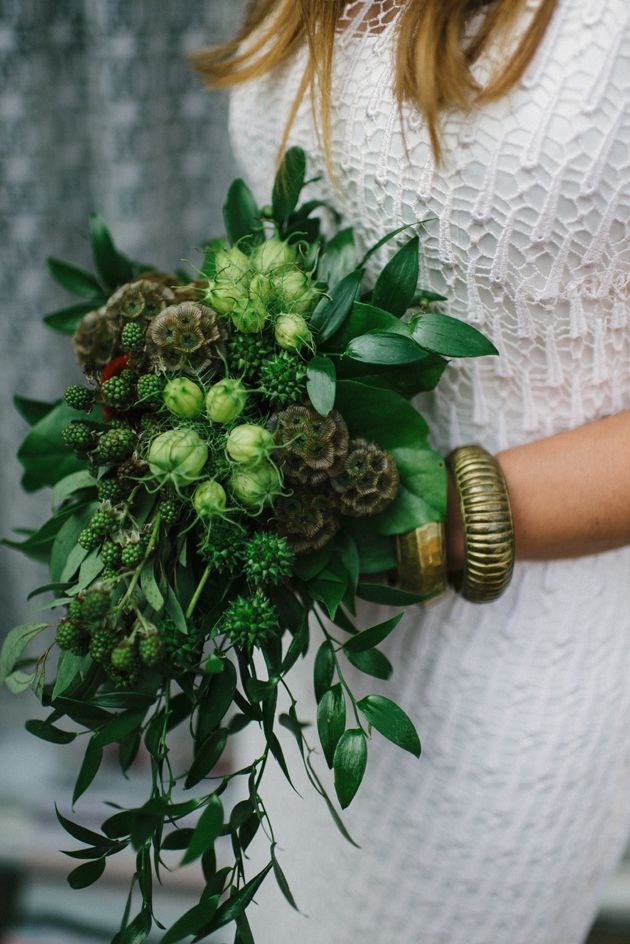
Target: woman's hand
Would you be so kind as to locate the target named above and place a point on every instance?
(570, 493)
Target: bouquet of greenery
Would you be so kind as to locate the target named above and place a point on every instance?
(235, 468)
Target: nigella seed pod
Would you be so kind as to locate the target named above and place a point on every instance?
(272, 254)
(292, 332)
(177, 456)
(295, 291)
(249, 444)
(183, 397)
(231, 264)
(225, 400)
(256, 487)
(209, 499)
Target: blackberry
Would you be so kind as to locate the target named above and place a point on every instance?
(169, 510)
(124, 656)
(247, 353)
(74, 611)
(110, 554)
(132, 554)
(88, 539)
(109, 573)
(118, 391)
(79, 398)
(110, 490)
(250, 621)
(102, 643)
(72, 637)
(123, 679)
(78, 436)
(95, 605)
(119, 423)
(103, 522)
(268, 559)
(149, 389)
(115, 444)
(282, 379)
(151, 648)
(132, 337)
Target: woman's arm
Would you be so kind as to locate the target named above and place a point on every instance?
(570, 493)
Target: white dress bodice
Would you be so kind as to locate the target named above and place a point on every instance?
(519, 808)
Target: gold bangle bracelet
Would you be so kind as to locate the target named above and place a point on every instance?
(421, 558)
(489, 546)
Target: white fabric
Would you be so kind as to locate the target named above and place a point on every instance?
(519, 808)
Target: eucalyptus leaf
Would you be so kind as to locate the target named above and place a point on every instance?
(70, 484)
(206, 757)
(391, 721)
(231, 909)
(18, 681)
(48, 732)
(16, 641)
(396, 284)
(68, 668)
(86, 874)
(74, 279)
(323, 669)
(320, 383)
(191, 921)
(32, 411)
(89, 768)
(44, 440)
(280, 877)
(384, 347)
(372, 662)
(331, 720)
(373, 636)
(149, 586)
(349, 763)
(119, 727)
(206, 831)
(67, 320)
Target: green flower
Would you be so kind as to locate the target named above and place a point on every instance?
(272, 254)
(250, 621)
(292, 332)
(268, 559)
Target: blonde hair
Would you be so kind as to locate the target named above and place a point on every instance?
(433, 60)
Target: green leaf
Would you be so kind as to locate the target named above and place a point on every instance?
(288, 184)
(122, 700)
(68, 667)
(370, 413)
(174, 610)
(31, 410)
(206, 831)
(339, 259)
(449, 336)
(373, 636)
(320, 383)
(331, 720)
(71, 484)
(113, 267)
(384, 347)
(206, 757)
(43, 455)
(137, 931)
(217, 700)
(48, 732)
(362, 319)
(405, 379)
(75, 280)
(307, 566)
(324, 669)
(391, 721)
(372, 662)
(16, 641)
(349, 763)
(149, 586)
(330, 313)
(231, 909)
(86, 874)
(390, 596)
(396, 285)
(67, 320)
(192, 920)
(19, 681)
(280, 877)
(80, 832)
(240, 213)
(119, 727)
(65, 543)
(89, 768)
(385, 239)
(421, 495)
(329, 588)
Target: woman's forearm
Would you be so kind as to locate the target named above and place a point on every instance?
(570, 493)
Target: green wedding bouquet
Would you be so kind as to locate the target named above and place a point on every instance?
(227, 482)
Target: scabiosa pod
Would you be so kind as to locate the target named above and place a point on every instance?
(225, 400)
(209, 499)
(249, 444)
(183, 397)
(177, 456)
(292, 332)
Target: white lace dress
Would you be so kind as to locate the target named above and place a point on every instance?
(519, 808)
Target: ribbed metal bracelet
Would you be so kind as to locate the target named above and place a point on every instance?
(488, 526)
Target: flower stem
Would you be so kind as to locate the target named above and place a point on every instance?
(138, 570)
(198, 592)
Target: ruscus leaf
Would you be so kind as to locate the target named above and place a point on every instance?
(391, 721)
(331, 720)
(396, 285)
(206, 831)
(349, 763)
(320, 383)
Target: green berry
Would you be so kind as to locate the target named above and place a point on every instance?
(110, 554)
(110, 490)
(88, 539)
(124, 657)
(132, 554)
(79, 398)
(169, 510)
(268, 559)
(115, 444)
(132, 337)
(126, 679)
(74, 611)
(78, 436)
(109, 573)
(151, 648)
(103, 522)
(72, 637)
(149, 389)
(95, 605)
(119, 391)
(250, 621)
(102, 643)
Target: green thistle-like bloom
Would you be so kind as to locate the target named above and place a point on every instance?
(246, 353)
(182, 651)
(118, 391)
(282, 379)
(115, 444)
(250, 621)
(79, 397)
(223, 545)
(78, 436)
(267, 559)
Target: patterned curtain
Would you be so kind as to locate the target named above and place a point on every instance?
(98, 111)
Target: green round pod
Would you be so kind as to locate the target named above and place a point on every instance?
(249, 444)
(183, 397)
(209, 499)
(225, 400)
(256, 487)
(178, 456)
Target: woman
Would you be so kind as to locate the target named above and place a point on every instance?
(508, 124)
